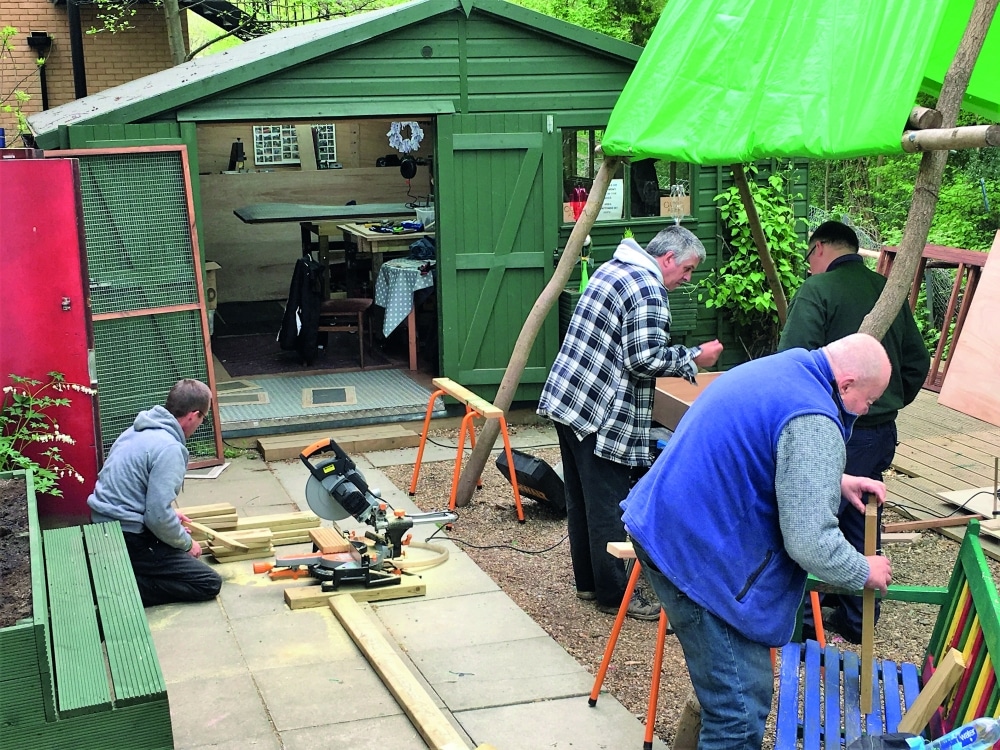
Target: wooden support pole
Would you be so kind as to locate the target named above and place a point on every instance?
(753, 219)
(922, 118)
(868, 610)
(951, 139)
(427, 718)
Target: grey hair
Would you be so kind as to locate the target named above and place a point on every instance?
(678, 240)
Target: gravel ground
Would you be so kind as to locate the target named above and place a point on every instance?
(531, 563)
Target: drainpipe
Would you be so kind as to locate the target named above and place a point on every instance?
(76, 49)
(41, 43)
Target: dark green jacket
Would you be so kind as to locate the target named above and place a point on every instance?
(831, 305)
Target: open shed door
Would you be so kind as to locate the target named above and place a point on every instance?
(497, 231)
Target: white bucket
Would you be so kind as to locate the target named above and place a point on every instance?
(425, 216)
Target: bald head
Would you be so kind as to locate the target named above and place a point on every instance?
(861, 368)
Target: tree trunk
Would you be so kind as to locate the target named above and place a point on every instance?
(175, 31)
(925, 191)
(753, 219)
(529, 331)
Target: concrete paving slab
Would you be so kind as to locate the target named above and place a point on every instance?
(292, 476)
(533, 669)
(305, 636)
(567, 724)
(457, 576)
(246, 594)
(310, 695)
(215, 711)
(395, 732)
(194, 651)
(475, 619)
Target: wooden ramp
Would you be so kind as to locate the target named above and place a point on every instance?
(940, 450)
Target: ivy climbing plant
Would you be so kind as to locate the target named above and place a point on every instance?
(738, 287)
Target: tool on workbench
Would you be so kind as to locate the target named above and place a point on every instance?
(335, 490)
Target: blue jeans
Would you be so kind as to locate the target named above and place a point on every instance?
(732, 676)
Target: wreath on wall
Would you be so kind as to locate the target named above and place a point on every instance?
(405, 137)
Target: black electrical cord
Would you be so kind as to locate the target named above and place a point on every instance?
(496, 546)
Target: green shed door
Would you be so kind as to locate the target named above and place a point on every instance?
(497, 232)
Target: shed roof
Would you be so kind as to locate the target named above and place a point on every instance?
(205, 77)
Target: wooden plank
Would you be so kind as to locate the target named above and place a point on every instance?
(295, 520)
(948, 476)
(868, 610)
(621, 550)
(77, 656)
(220, 537)
(929, 523)
(356, 440)
(463, 394)
(304, 597)
(945, 678)
(966, 455)
(979, 500)
(197, 512)
(135, 669)
(222, 554)
(945, 459)
(329, 540)
(973, 383)
(900, 537)
(428, 719)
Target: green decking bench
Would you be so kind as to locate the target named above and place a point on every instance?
(81, 671)
(819, 689)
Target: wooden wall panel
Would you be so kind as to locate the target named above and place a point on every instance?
(973, 383)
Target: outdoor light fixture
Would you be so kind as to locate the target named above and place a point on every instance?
(41, 43)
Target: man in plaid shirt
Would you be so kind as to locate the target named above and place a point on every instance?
(600, 396)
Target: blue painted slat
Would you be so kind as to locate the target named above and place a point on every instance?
(911, 683)
(852, 697)
(787, 723)
(891, 690)
(873, 720)
(832, 677)
(811, 720)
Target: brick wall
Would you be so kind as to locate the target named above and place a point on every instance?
(111, 59)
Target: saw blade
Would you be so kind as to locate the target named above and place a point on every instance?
(318, 496)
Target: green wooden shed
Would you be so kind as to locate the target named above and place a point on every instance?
(512, 104)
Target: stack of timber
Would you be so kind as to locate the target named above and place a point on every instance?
(229, 538)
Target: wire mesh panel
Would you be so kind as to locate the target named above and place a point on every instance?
(138, 361)
(142, 256)
(139, 247)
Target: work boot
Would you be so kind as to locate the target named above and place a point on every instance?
(640, 608)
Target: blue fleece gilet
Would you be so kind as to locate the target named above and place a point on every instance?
(707, 511)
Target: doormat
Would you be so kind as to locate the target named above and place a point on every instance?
(326, 396)
(245, 397)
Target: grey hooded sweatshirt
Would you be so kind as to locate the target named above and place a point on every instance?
(142, 477)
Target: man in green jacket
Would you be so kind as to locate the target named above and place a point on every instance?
(831, 304)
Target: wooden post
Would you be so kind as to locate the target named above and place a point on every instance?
(943, 139)
(868, 610)
(922, 118)
(753, 219)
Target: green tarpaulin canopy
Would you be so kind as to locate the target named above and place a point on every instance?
(725, 81)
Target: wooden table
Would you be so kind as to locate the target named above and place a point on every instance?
(397, 281)
(380, 243)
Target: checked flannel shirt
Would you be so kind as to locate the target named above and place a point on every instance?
(617, 344)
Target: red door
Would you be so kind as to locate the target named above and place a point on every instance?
(44, 310)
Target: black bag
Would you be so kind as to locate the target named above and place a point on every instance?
(422, 249)
(535, 479)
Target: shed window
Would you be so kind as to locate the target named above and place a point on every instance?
(636, 189)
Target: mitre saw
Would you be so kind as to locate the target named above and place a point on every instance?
(335, 490)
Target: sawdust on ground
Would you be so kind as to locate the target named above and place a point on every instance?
(530, 562)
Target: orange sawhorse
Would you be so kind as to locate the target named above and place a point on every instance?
(474, 406)
(625, 551)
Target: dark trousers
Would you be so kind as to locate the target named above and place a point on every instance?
(594, 488)
(869, 453)
(166, 574)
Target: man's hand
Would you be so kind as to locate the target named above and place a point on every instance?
(879, 573)
(710, 352)
(195, 550)
(853, 488)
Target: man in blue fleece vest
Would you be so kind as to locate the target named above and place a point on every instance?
(600, 396)
(832, 303)
(741, 505)
(136, 486)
